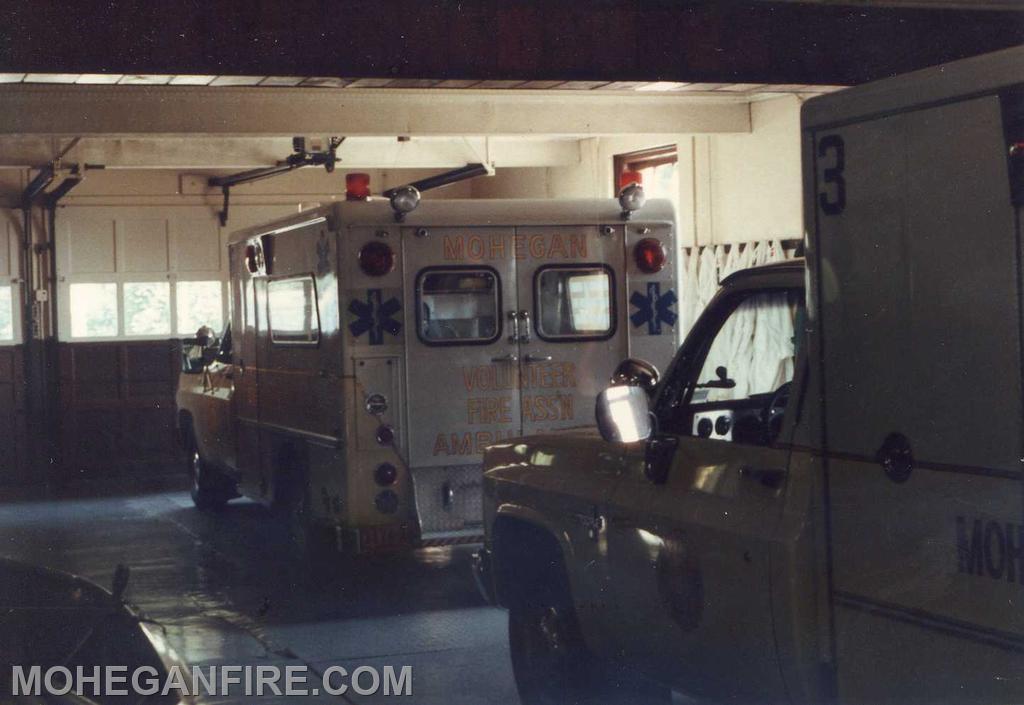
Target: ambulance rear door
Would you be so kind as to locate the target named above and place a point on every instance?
(463, 365)
(916, 265)
(569, 322)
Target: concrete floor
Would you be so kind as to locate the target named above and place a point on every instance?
(227, 594)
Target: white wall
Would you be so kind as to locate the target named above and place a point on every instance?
(732, 188)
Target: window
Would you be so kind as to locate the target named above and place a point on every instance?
(6, 313)
(658, 170)
(147, 308)
(293, 311)
(457, 306)
(93, 310)
(199, 304)
(742, 388)
(575, 303)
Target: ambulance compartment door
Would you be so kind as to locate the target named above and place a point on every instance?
(917, 299)
(571, 326)
(463, 364)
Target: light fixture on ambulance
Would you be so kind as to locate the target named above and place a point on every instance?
(649, 255)
(404, 200)
(631, 198)
(376, 258)
(357, 186)
(385, 474)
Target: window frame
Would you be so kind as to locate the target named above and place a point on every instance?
(642, 159)
(675, 405)
(316, 311)
(499, 307)
(613, 310)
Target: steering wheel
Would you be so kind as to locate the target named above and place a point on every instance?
(773, 411)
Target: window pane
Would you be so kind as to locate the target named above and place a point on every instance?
(147, 308)
(6, 314)
(199, 304)
(293, 315)
(458, 306)
(574, 303)
(756, 346)
(93, 310)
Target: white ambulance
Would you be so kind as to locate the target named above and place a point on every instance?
(376, 347)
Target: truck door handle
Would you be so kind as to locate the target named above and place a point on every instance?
(510, 358)
(537, 358)
(769, 477)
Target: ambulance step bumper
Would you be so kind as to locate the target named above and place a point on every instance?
(449, 503)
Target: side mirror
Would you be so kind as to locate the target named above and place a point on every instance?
(623, 414)
(634, 372)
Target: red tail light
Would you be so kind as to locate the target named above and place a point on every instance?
(385, 435)
(385, 474)
(357, 186)
(376, 259)
(650, 255)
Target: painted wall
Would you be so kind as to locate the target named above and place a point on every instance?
(732, 188)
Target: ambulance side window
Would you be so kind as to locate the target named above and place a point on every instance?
(574, 302)
(458, 306)
(294, 319)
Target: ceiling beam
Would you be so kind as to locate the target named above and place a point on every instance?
(695, 41)
(153, 111)
(247, 153)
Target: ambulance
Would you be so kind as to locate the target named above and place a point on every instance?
(849, 528)
(376, 346)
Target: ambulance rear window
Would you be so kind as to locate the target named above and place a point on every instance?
(293, 314)
(575, 302)
(458, 306)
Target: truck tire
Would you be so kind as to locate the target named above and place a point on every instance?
(552, 665)
(206, 485)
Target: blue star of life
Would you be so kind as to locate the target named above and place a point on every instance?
(374, 316)
(653, 309)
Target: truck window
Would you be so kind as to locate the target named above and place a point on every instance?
(457, 306)
(293, 312)
(574, 302)
(741, 390)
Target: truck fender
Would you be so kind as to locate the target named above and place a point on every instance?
(514, 527)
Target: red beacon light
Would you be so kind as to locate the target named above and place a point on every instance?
(357, 186)
(376, 258)
(650, 255)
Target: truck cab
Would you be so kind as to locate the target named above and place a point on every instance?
(836, 518)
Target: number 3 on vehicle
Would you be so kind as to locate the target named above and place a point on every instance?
(833, 197)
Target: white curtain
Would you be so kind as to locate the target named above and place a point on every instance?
(756, 345)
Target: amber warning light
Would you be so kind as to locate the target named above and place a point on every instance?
(649, 255)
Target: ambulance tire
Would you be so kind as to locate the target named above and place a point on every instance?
(208, 487)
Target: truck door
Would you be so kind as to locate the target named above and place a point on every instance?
(463, 367)
(568, 323)
(690, 553)
(917, 281)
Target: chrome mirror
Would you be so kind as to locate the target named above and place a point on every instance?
(623, 414)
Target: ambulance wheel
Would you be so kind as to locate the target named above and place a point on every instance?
(549, 659)
(205, 484)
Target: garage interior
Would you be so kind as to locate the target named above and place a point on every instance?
(114, 239)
